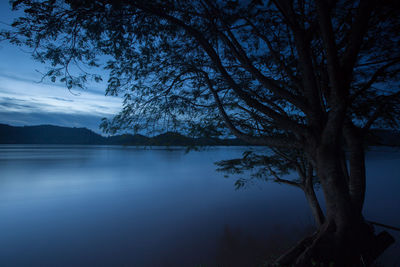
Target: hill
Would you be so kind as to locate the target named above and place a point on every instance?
(50, 134)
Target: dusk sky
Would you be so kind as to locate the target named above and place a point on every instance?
(24, 100)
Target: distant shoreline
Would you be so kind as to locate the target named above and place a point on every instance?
(58, 135)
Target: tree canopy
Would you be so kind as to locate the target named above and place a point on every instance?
(264, 68)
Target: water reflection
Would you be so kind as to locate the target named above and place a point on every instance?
(108, 206)
(237, 248)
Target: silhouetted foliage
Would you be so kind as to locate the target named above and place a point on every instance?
(257, 166)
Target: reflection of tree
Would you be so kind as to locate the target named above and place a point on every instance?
(238, 249)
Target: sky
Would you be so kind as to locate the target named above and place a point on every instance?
(24, 100)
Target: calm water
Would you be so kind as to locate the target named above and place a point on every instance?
(121, 206)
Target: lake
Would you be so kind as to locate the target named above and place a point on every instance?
(129, 206)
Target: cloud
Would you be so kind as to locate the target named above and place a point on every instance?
(13, 104)
(62, 99)
(24, 102)
(16, 94)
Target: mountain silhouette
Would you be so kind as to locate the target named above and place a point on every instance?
(50, 134)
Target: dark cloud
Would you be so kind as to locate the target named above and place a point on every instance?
(62, 99)
(7, 103)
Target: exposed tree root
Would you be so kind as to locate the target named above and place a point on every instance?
(324, 248)
(288, 257)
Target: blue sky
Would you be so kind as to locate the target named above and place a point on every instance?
(26, 101)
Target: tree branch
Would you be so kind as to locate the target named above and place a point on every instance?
(379, 110)
(357, 33)
(264, 140)
(240, 54)
(284, 122)
(302, 44)
(378, 73)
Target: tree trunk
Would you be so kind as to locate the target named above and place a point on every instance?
(344, 238)
(355, 147)
(334, 184)
(342, 224)
(313, 202)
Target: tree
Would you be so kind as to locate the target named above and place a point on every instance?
(275, 164)
(311, 76)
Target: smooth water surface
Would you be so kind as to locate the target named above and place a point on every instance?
(128, 206)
